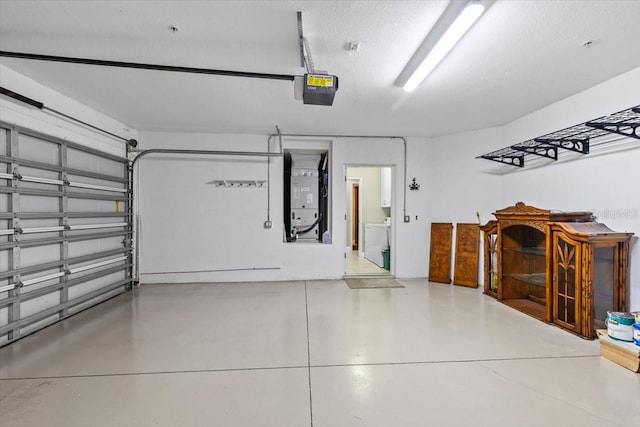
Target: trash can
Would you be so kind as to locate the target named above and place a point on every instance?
(386, 259)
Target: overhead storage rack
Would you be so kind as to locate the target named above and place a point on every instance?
(575, 138)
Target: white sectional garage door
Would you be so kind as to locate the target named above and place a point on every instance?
(65, 229)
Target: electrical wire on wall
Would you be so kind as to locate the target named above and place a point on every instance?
(268, 223)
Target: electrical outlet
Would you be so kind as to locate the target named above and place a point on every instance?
(268, 224)
(407, 218)
(416, 217)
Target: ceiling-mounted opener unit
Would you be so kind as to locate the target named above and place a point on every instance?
(315, 87)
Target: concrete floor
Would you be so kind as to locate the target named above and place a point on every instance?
(294, 354)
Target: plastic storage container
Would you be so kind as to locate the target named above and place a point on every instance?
(386, 259)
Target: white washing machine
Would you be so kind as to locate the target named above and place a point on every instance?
(376, 238)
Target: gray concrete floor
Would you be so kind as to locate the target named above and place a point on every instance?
(310, 353)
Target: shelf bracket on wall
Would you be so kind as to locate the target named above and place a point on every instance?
(508, 156)
(536, 147)
(625, 123)
(575, 138)
(572, 144)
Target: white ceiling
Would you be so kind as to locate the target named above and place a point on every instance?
(519, 57)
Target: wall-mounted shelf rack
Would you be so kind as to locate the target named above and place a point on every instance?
(575, 138)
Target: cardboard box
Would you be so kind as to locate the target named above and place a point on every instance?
(625, 354)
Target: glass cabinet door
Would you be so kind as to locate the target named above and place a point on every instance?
(605, 283)
(493, 262)
(566, 282)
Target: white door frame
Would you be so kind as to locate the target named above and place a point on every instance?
(394, 200)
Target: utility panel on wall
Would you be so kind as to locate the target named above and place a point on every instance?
(306, 196)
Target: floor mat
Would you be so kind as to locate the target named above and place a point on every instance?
(373, 283)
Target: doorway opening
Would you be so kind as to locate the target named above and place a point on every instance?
(368, 221)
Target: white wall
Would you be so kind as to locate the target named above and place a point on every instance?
(607, 183)
(458, 187)
(193, 230)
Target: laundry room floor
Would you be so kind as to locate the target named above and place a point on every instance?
(357, 265)
(310, 353)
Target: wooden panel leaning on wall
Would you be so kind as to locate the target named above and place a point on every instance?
(466, 260)
(440, 252)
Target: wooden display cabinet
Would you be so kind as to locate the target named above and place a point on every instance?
(559, 267)
(588, 274)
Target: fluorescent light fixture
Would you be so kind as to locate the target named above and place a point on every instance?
(432, 57)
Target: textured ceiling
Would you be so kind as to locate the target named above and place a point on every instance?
(519, 57)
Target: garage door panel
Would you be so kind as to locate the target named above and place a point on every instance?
(37, 149)
(4, 312)
(31, 256)
(92, 285)
(67, 241)
(37, 305)
(81, 248)
(39, 204)
(42, 323)
(28, 172)
(77, 159)
(84, 205)
(3, 141)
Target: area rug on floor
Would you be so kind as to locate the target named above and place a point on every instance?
(373, 283)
